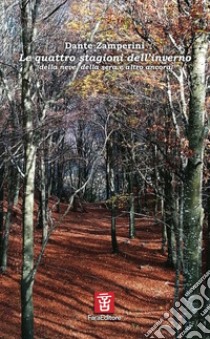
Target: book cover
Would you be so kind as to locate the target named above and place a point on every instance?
(104, 171)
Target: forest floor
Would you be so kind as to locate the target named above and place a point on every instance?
(78, 261)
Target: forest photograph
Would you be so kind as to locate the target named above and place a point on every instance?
(104, 169)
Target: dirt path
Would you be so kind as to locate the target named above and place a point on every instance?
(78, 262)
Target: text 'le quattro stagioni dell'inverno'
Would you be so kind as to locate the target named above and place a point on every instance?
(133, 57)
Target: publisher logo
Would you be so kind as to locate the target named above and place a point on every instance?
(104, 302)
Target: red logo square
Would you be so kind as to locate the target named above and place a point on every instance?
(104, 302)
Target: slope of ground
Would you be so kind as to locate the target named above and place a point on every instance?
(78, 262)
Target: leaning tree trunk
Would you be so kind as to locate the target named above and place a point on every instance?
(28, 18)
(193, 210)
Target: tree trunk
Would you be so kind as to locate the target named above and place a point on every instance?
(11, 195)
(112, 191)
(1, 208)
(132, 217)
(60, 170)
(5, 238)
(168, 219)
(108, 169)
(16, 185)
(113, 229)
(28, 18)
(208, 218)
(193, 210)
(28, 243)
(43, 203)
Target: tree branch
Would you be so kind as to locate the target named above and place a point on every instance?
(55, 10)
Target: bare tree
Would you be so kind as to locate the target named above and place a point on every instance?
(28, 25)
